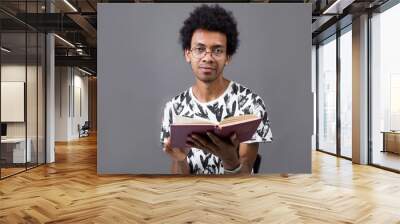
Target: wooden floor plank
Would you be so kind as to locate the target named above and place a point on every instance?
(70, 191)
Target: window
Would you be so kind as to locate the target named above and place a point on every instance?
(385, 88)
(346, 93)
(327, 95)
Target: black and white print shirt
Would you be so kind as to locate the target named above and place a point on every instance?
(236, 100)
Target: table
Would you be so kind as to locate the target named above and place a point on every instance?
(391, 141)
(13, 150)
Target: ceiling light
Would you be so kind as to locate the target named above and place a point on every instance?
(5, 50)
(79, 51)
(86, 72)
(331, 7)
(70, 5)
(64, 40)
(338, 6)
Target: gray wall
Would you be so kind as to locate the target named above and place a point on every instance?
(141, 66)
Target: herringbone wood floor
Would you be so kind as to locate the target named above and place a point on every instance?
(70, 191)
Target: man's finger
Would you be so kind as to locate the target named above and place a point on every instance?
(186, 150)
(202, 141)
(191, 144)
(216, 140)
(167, 142)
(167, 147)
(196, 143)
(234, 139)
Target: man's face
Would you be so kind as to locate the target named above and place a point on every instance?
(207, 54)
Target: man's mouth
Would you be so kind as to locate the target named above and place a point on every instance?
(207, 69)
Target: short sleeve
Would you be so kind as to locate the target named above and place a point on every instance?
(263, 133)
(166, 122)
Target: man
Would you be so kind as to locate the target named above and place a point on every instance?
(209, 38)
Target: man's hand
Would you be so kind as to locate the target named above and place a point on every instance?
(177, 154)
(226, 150)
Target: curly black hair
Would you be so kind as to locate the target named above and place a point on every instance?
(212, 18)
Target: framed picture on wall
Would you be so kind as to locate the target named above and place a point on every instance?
(12, 101)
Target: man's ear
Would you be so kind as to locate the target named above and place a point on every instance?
(228, 60)
(187, 55)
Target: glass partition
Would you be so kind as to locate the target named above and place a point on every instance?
(15, 151)
(41, 87)
(22, 77)
(327, 95)
(385, 89)
(32, 95)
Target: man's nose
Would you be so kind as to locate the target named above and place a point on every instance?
(208, 58)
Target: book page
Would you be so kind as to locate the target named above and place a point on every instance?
(188, 120)
(238, 119)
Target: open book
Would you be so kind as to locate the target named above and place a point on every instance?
(244, 126)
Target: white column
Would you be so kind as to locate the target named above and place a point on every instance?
(360, 90)
(63, 103)
(50, 81)
(50, 91)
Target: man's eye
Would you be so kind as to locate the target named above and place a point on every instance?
(218, 51)
(199, 49)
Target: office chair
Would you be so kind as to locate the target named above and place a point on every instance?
(84, 130)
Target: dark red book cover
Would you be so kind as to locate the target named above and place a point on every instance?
(244, 130)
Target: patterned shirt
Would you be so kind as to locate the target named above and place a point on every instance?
(236, 100)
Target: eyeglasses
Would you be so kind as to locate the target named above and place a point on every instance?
(200, 52)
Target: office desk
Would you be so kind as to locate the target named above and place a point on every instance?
(13, 150)
(391, 141)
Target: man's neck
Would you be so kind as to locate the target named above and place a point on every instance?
(205, 92)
